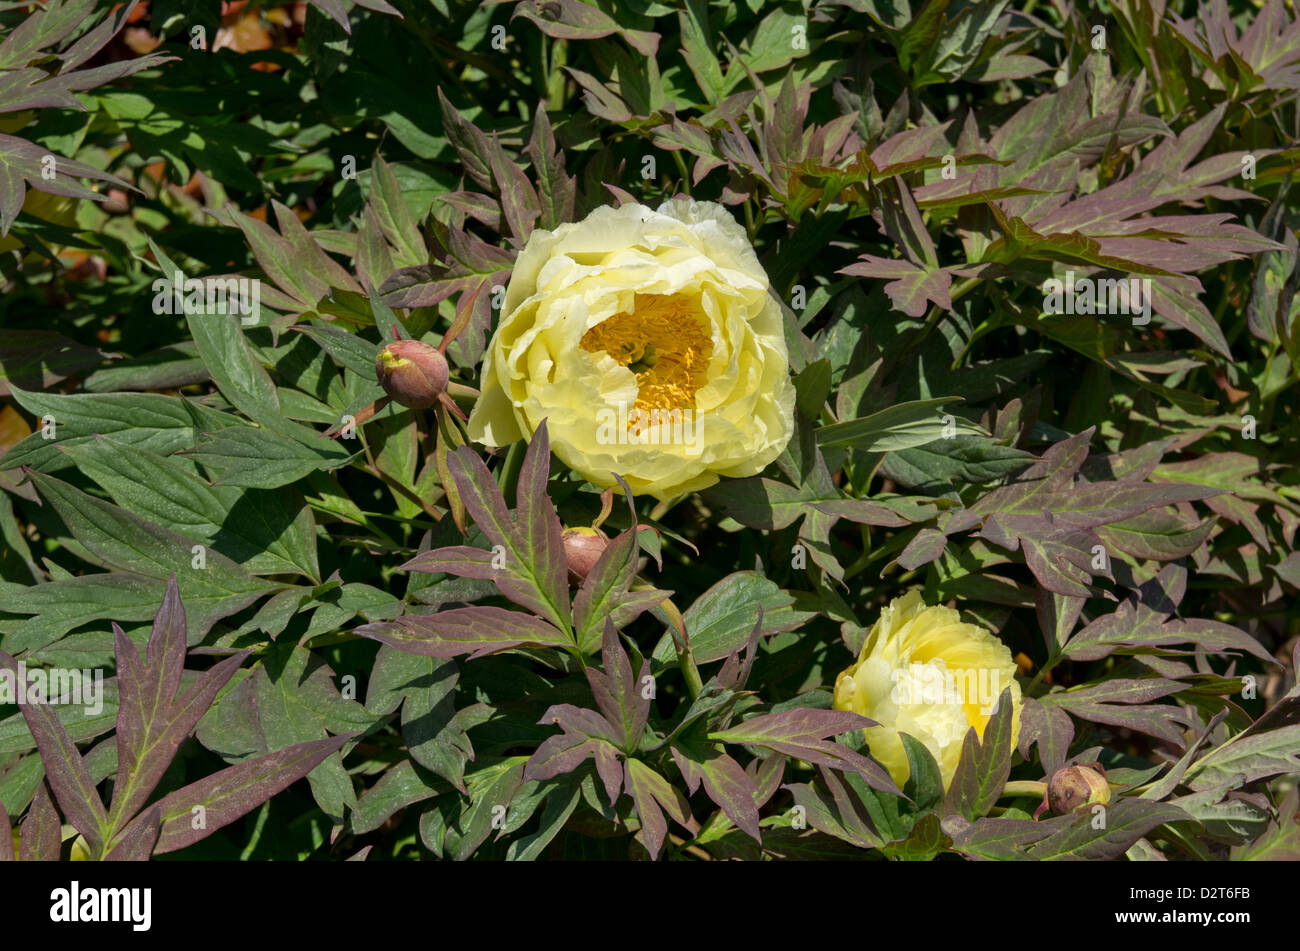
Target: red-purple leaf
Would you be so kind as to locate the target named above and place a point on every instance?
(726, 783)
(800, 733)
(984, 766)
(150, 725)
(559, 754)
(6, 837)
(225, 796)
(136, 844)
(469, 142)
(556, 189)
(529, 584)
(65, 770)
(475, 631)
(40, 835)
(618, 694)
(539, 525)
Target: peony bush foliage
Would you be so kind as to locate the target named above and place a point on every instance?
(828, 429)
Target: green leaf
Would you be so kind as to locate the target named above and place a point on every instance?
(129, 543)
(262, 459)
(1246, 758)
(268, 532)
(902, 426)
(146, 421)
(1107, 835)
(924, 784)
(721, 619)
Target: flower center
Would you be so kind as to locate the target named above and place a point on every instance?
(664, 342)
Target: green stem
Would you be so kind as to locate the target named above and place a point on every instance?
(1042, 672)
(685, 657)
(959, 290)
(689, 671)
(750, 227)
(508, 474)
(1027, 788)
(681, 167)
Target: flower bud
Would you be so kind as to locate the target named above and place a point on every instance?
(582, 549)
(1074, 787)
(412, 373)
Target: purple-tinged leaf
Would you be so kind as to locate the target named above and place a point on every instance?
(528, 584)
(824, 814)
(136, 844)
(538, 523)
(984, 766)
(469, 142)
(573, 719)
(1132, 627)
(25, 160)
(223, 797)
(151, 722)
(476, 631)
(730, 787)
(556, 189)
(618, 694)
(911, 289)
(604, 593)
(800, 723)
(926, 546)
(1122, 702)
(654, 828)
(735, 672)
(65, 770)
(874, 513)
(653, 795)
(519, 202)
(37, 359)
(1170, 780)
(165, 650)
(40, 835)
(609, 770)
(574, 20)
(1057, 616)
(1118, 690)
(1076, 837)
(996, 839)
(1048, 726)
(1246, 757)
(767, 775)
(559, 754)
(800, 733)
(6, 837)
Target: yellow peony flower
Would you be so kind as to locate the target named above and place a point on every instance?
(649, 342)
(925, 672)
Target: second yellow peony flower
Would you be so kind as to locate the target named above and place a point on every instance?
(649, 342)
(925, 672)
